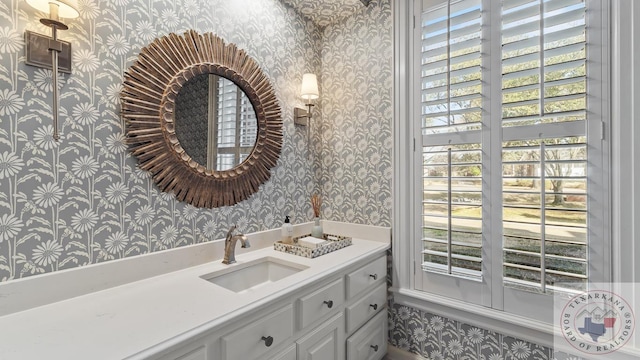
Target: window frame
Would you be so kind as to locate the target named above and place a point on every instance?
(490, 296)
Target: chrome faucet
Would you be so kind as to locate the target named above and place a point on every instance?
(230, 245)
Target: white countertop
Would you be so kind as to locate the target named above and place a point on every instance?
(148, 315)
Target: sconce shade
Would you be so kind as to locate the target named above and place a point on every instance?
(66, 8)
(309, 90)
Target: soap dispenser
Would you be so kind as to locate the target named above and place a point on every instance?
(287, 231)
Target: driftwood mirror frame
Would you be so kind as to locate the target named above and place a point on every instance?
(151, 86)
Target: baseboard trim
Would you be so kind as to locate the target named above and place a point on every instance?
(394, 353)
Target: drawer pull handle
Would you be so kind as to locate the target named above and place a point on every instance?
(375, 348)
(374, 306)
(329, 303)
(374, 276)
(268, 340)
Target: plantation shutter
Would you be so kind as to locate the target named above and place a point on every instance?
(451, 117)
(237, 125)
(544, 149)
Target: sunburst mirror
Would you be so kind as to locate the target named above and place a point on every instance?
(202, 118)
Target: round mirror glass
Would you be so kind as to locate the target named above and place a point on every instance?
(215, 122)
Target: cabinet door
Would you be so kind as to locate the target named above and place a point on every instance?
(288, 354)
(326, 342)
(370, 342)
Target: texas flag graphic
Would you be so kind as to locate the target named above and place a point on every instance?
(596, 330)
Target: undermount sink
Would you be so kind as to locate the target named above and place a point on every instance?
(251, 275)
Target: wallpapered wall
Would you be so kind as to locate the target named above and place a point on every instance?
(438, 338)
(83, 200)
(357, 137)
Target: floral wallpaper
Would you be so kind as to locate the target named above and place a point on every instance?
(326, 12)
(439, 338)
(82, 200)
(357, 108)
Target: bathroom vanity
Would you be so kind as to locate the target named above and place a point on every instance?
(323, 320)
(268, 305)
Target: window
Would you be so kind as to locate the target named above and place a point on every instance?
(237, 126)
(509, 160)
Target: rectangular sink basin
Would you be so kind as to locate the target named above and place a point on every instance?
(241, 278)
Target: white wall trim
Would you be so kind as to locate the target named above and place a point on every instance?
(625, 172)
(402, 150)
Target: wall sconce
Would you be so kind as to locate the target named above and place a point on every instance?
(308, 91)
(44, 51)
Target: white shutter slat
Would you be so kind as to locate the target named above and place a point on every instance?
(525, 13)
(520, 59)
(434, 29)
(434, 65)
(567, 81)
(467, 44)
(436, 41)
(564, 50)
(462, 18)
(520, 89)
(507, 105)
(465, 58)
(453, 112)
(458, 99)
(568, 17)
(507, 6)
(521, 44)
(530, 27)
(566, 33)
(466, 71)
(520, 74)
(433, 78)
(463, 33)
(565, 65)
(550, 6)
(532, 132)
(564, 97)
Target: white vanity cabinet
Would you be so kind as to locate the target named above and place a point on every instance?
(326, 342)
(366, 311)
(341, 317)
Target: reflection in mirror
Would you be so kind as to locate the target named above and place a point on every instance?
(215, 122)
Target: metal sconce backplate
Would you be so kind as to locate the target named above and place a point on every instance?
(301, 116)
(38, 54)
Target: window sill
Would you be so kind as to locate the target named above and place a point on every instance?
(494, 320)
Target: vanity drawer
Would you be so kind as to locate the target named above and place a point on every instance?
(359, 312)
(320, 303)
(369, 343)
(258, 338)
(358, 280)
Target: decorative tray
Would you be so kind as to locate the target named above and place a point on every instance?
(335, 242)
